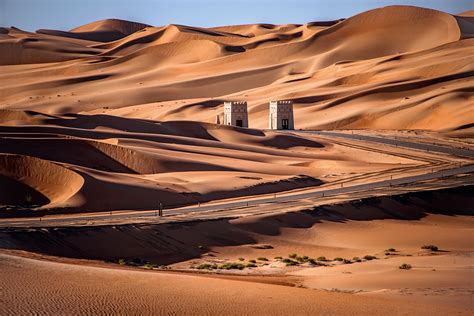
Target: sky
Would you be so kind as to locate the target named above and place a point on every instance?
(31, 15)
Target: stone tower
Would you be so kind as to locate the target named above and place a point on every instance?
(235, 113)
(281, 115)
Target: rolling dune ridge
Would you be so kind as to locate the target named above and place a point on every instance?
(396, 67)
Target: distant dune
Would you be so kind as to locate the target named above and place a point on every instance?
(397, 67)
(118, 115)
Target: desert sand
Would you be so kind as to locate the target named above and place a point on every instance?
(117, 115)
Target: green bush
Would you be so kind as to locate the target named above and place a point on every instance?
(231, 266)
(262, 259)
(292, 256)
(251, 265)
(148, 265)
(369, 257)
(322, 258)
(405, 266)
(430, 247)
(122, 262)
(356, 259)
(289, 262)
(204, 266)
(338, 259)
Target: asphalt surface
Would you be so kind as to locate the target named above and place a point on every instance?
(280, 199)
(460, 152)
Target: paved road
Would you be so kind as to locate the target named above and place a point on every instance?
(278, 199)
(397, 142)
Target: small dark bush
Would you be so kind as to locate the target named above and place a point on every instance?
(241, 259)
(291, 263)
(347, 261)
(204, 266)
(387, 253)
(251, 265)
(338, 259)
(148, 265)
(390, 249)
(369, 257)
(253, 261)
(292, 256)
(405, 266)
(262, 259)
(322, 258)
(430, 247)
(122, 262)
(356, 259)
(278, 258)
(231, 265)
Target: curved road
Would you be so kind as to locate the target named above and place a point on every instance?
(246, 201)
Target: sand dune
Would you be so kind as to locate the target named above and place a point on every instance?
(394, 67)
(135, 164)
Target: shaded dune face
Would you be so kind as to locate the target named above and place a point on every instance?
(35, 182)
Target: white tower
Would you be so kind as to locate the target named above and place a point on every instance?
(281, 115)
(235, 113)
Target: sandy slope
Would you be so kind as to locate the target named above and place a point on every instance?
(393, 67)
(438, 283)
(67, 289)
(102, 162)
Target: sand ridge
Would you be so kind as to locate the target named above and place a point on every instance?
(392, 67)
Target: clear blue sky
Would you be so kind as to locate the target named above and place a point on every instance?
(66, 14)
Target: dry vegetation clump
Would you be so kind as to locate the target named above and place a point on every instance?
(430, 247)
(405, 266)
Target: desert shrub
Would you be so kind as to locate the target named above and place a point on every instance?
(163, 267)
(231, 265)
(251, 265)
(356, 259)
(405, 266)
(241, 259)
(122, 262)
(369, 257)
(292, 256)
(347, 261)
(338, 259)
(430, 247)
(322, 258)
(305, 258)
(278, 258)
(148, 265)
(252, 261)
(390, 249)
(204, 266)
(289, 262)
(262, 259)
(387, 253)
